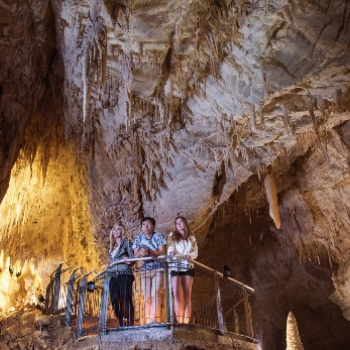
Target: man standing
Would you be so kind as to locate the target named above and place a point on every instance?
(151, 243)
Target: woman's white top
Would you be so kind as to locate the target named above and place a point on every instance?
(183, 247)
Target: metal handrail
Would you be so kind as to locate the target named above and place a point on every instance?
(90, 272)
(130, 260)
(55, 276)
(59, 266)
(195, 262)
(82, 291)
(70, 285)
(105, 272)
(205, 267)
(75, 277)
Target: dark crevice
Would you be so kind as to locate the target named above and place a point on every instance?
(219, 181)
(343, 25)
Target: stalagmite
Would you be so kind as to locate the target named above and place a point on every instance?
(293, 337)
(271, 194)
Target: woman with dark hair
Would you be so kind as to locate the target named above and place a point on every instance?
(120, 285)
(181, 242)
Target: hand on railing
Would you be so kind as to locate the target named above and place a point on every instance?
(129, 261)
(144, 251)
(126, 260)
(179, 256)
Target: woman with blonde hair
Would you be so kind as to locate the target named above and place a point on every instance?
(120, 285)
(181, 242)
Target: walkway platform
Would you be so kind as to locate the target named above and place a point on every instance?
(158, 337)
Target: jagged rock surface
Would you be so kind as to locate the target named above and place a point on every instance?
(293, 337)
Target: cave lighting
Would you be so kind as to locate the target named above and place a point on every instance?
(19, 278)
(23, 190)
(1, 259)
(18, 212)
(21, 288)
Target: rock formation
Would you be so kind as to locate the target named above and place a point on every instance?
(293, 337)
(232, 113)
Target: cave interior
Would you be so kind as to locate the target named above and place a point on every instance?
(234, 114)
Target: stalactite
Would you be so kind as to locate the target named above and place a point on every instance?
(252, 117)
(271, 194)
(310, 107)
(85, 89)
(287, 123)
(260, 112)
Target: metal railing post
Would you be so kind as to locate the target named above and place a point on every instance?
(69, 298)
(225, 291)
(221, 322)
(104, 305)
(80, 318)
(48, 297)
(169, 312)
(248, 313)
(236, 321)
(57, 289)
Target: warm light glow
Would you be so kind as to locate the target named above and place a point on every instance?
(23, 191)
(41, 209)
(18, 212)
(2, 259)
(8, 287)
(41, 212)
(12, 297)
(8, 260)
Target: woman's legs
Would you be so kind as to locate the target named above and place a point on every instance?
(187, 293)
(126, 282)
(177, 285)
(114, 292)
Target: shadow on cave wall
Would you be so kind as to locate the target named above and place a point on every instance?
(257, 255)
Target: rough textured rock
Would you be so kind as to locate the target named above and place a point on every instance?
(27, 330)
(293, 337)
(111, 110)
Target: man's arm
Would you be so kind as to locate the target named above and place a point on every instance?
(139, 253)
(155, 253)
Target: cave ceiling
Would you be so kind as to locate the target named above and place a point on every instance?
(111, 110)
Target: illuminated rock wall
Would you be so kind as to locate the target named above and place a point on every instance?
(44, 221)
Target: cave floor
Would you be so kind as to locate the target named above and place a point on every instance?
(178, 337)
(30, 329)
